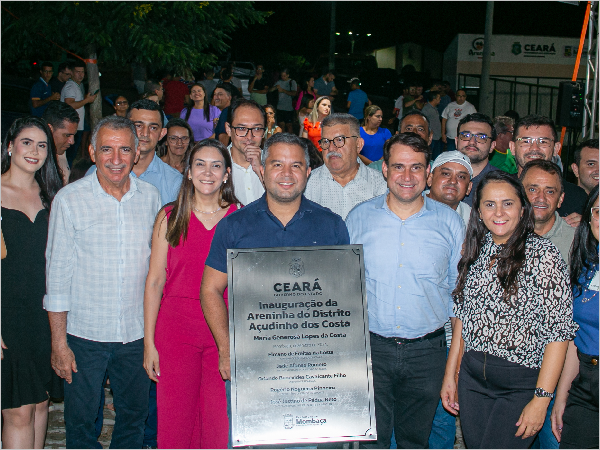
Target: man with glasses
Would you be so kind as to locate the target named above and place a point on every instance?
(246, 129)
(452, 115)
(476, 138)
(41, 91)
(64, 75)
(344, 181)
(534, 138)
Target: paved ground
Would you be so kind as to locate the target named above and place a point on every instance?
(56, 426)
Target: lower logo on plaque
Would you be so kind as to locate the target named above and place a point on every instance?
(288, 421)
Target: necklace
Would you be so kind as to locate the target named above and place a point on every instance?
(207, 212)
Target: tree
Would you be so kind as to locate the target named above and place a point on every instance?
(175, 35)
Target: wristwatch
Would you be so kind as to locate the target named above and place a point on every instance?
(540, 392)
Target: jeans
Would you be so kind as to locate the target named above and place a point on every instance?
(443, 430)
(492, 393)
(129, 382)
(150, 430)
(407, 379)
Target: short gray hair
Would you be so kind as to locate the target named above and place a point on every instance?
(284, 138)
(114, 123)
(342, 119)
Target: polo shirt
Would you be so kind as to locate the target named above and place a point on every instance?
(40, 90)
(254, 226)
(248, 186)
(323, 189)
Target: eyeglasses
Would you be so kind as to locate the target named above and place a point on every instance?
(595, 212)
(541, 141)
(47, 71)
(122, 103)
(183, 139)
(338, 141)
(243, 131)
(466, 136)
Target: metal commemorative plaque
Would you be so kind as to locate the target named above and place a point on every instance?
(300, 355)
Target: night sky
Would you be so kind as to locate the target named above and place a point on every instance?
(302, 28)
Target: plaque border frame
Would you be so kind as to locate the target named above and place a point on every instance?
(370, 434)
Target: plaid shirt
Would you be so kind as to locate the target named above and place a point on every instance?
(97, 258)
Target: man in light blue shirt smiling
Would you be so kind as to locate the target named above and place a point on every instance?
(412, 247)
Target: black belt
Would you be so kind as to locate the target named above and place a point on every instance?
(399, 340)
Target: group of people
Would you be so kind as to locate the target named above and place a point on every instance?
(130, 265)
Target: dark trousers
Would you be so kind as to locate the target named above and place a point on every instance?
(492, 393)
(580, 419)
(151, 428)
(407, 379)
(129, 382)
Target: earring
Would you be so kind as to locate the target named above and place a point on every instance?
(224, 181)
(190, 178)
(9, 153)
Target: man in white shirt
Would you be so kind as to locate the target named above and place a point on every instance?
(246, 130)
(343, 181)
(73, 94)
(452, 114)
(96, 266)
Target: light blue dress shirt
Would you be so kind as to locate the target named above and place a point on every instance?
(161, 175)
(97, 258)
(410, 265)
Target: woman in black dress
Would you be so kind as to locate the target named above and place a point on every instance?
(29, 180)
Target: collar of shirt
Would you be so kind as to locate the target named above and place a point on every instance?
(262, 206)
(361, 175)
(153, 167)
(428, 206)
(44, 81)
(97, 189)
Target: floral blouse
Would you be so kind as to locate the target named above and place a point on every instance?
(540, 313)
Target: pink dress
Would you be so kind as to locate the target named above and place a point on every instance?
(190, 395)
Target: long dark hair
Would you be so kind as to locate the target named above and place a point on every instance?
(511, 257)
(179, 220)
(584, 253)
(48, 177)
(206, 105)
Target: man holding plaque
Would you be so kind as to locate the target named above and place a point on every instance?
(412, 247)
(282, 217)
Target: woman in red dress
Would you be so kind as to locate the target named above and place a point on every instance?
(180, 353)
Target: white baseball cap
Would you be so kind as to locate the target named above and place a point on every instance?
(453, 156)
